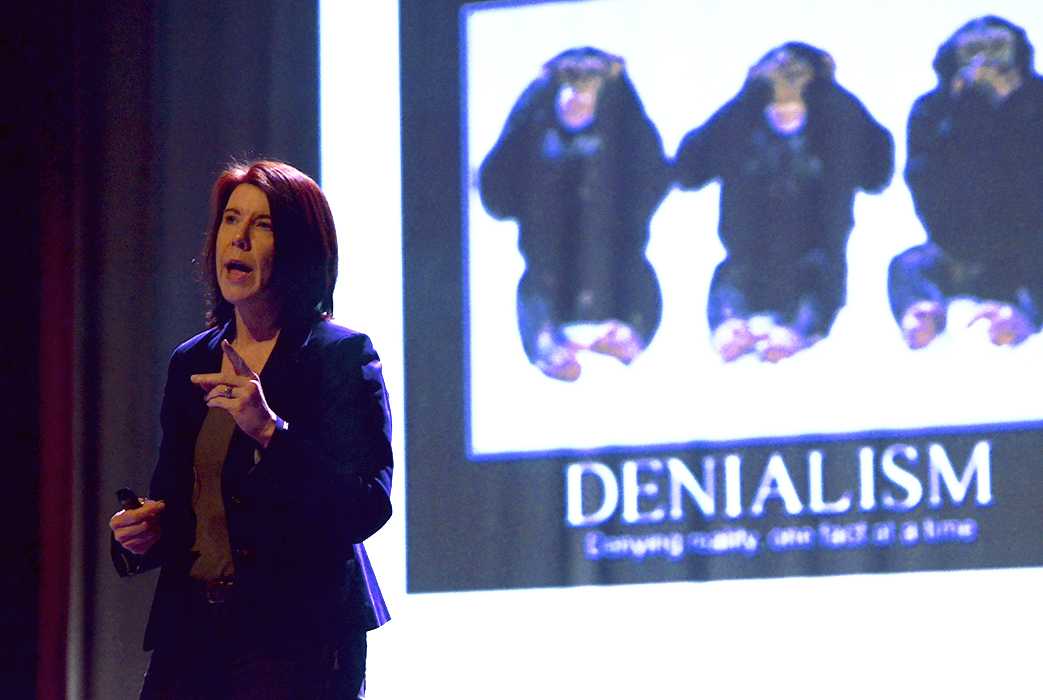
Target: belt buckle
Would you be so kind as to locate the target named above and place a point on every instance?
(216, 591)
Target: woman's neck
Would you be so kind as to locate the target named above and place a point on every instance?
(255, 326)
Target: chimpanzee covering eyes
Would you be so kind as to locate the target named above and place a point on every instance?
(975, 170)
(790, 151)
(581, 168)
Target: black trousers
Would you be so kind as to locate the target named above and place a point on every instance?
(221, 654)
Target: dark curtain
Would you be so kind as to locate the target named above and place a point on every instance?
(19, 377)
(131, 108)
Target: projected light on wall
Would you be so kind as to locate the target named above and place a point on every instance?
(663, 463)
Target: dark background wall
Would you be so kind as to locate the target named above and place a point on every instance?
(126, 112)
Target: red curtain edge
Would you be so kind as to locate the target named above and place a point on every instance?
(57, 454)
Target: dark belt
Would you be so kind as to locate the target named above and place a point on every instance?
(216, 591)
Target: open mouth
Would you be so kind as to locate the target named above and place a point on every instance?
(237, 269)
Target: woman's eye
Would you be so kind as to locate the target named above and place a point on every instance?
(230, 218)
(265, 224)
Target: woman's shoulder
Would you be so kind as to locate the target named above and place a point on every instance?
(200, 344)
(328, 334)
(326, 331)
(341, 350)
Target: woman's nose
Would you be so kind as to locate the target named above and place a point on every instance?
(241, 241)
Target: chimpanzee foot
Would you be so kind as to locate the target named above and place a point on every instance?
(733, 339)
(559, 362)
(922, 322)
(555, 357)
(779, 343)
(619, 341)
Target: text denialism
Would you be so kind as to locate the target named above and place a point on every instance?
(898, 478)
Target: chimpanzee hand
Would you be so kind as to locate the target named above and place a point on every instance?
(994, 82)
(787, 74)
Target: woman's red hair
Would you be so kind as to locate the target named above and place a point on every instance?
(305, 270)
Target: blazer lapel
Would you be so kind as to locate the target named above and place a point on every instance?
(279, 378)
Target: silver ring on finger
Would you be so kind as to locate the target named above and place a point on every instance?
(228, 392)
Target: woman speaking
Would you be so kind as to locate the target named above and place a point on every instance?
(275, 465)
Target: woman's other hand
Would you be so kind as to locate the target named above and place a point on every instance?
(138, 529)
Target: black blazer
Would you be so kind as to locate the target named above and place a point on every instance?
(297, 511)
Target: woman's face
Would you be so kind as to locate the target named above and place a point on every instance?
(246, 248)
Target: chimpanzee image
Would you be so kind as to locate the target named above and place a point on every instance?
(975, 170)
(790, 151)
(581, 168)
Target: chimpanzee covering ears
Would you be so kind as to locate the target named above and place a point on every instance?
(580, 167)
